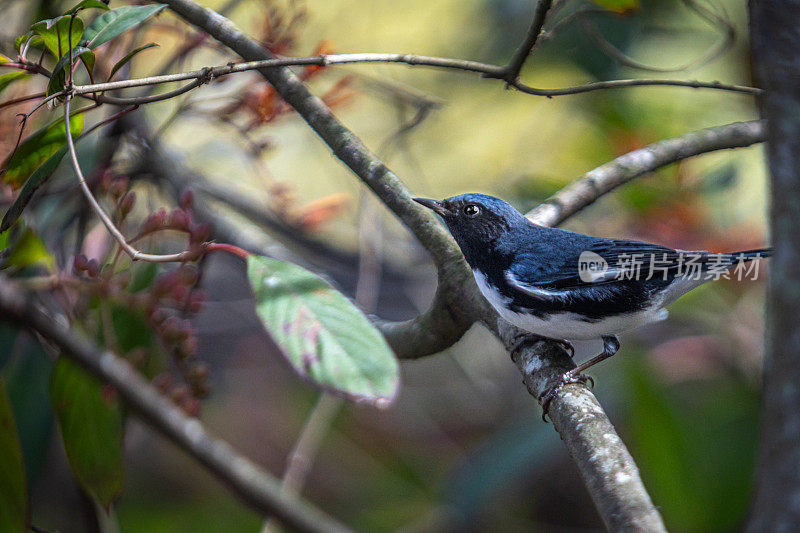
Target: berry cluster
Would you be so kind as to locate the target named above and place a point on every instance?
(166, 304)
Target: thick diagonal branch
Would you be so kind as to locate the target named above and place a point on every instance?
(255, 486)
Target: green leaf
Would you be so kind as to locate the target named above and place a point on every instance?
(58, 80)
(13, 490)
(88, 4)
(327, 339)
(55, 33)
(109, 25)
(618, 6)
(37, 149)
(91, 425)
(28, 250)
(121, 63)
(26, 369)
(4, 59)
(11, 77)
(37, 179)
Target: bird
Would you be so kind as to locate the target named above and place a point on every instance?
(566, 286)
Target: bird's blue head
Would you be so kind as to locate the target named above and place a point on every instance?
(475, 220)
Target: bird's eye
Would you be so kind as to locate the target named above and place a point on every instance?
(472, 210)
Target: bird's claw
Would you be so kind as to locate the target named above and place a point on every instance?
(567, 377)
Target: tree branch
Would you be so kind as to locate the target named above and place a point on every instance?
(620, 84)
(514, 67)
(603, 179)
(774, 40)
(604, 462)
(207, 74)
(255, 486)
(344, 143)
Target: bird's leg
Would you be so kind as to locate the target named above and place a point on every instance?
(610, 347)
(576, 375)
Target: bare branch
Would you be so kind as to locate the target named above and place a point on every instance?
(603, 460)
(515, 65)
(490, 71)
(255, 486)
(595, 183)
(620, 84)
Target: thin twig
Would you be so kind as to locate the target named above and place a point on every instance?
(120, 238)
(639, 82)
(512, 70)
(22, 99)
(301, 458)
(485, 69)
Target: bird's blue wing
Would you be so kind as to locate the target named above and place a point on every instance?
(593, 262)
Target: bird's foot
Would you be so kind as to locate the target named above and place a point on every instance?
(567, 377)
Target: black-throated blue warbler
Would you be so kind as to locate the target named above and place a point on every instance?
(569, 286)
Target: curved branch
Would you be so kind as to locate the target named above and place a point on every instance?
(595, 183)
(255, 486)
(109, 224)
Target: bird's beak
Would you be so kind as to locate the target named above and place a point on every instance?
(435, 205)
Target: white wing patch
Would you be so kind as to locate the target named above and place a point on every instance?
(537, 292)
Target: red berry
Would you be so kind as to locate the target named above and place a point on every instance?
(93, 268)
(178, 220)
(163, 382)
(127, 203)
(191, 406)
(199, 233)
(79, 263)
(179, 394)
(196, 301)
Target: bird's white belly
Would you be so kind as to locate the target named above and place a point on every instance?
(566, 325)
